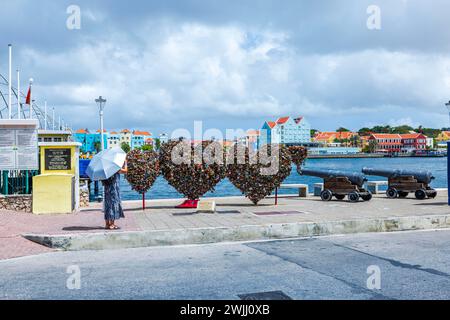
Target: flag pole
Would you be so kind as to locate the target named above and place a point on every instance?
(9, 82)
(31, 99)
(18, 94)
(53, 119)
(45, 115)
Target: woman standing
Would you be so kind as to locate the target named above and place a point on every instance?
(112, 203)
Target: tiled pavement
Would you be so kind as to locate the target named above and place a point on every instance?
(232, 211)
(13, 224)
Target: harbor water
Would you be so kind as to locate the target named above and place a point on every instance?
(438, 166)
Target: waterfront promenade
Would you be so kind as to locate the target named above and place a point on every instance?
(236, 220)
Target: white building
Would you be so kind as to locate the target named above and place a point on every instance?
(286, 130)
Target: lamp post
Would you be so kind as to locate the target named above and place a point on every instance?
(101, 104)
(448, 160)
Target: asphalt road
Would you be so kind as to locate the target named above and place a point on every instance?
(411, 265)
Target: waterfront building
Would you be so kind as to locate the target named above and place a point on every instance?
(286, 130)
(113, 139)
(328, 138)
(430, 143)
(413, 142)
(163, 138)
(443, 136)
(328, 151)
(125, 136)
(251, 139)
(90, 142)
(139, 138)
(386, 142)
(399, 143)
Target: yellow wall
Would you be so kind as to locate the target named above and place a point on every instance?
(53, 194)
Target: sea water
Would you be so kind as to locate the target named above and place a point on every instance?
(438, 166)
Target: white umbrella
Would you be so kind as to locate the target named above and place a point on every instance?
(106, 163)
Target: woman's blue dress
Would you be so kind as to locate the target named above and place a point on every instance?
(112, 204)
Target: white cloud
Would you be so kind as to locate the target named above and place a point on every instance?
(182, 72)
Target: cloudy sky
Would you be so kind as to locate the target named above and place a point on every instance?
(233, 63)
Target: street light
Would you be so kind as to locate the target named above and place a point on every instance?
(448, 108)
(448, 159)
(101, 104)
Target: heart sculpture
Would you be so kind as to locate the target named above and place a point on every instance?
(298, 155)
(143, 169)
(192, 170)
(258, 174)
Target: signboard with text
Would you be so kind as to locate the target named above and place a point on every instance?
(18, 148)
(58, 159)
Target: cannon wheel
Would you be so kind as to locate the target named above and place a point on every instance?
(402, 194)
(391, 193)
(420, 194)
(367, 197)
(326, 195)
(433, 194)
(353, 196)
(340, 196)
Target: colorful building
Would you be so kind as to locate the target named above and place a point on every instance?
(125, 136)
(139, 138)
(386, 142)
(251, 139)
(329, 138)
(286, 130)
(399, 143)
(414, 142)
(443, 136)
(113, 139)
(90, 142)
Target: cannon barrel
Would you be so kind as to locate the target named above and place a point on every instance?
(355, 177)
(422, 176)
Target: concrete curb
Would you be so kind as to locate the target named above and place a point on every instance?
(136, 239)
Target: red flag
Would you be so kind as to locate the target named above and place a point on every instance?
(28, 96)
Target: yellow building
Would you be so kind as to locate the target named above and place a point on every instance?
(125, 136)
(443, 136)
(54, 135)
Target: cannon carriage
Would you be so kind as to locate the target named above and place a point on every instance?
(403, 182)
(339, 184)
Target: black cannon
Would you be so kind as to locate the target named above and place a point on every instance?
(402, 182)
(340, 184)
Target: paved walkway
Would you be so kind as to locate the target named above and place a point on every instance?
(232, 211)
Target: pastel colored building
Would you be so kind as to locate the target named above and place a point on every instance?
(414, 142)
(399, 143)
(125, 136)
(443, 136)
(113, 139)
(333, 150)
(90, 142)
(386, 142)
(163, 138)
(329, 138)
(285, 130)
(251, 139)
(139, 139)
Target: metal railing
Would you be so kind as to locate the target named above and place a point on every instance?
(17, 181)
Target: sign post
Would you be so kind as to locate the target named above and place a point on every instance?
(18, 145)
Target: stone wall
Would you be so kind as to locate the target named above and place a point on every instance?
(16, 203)
(84, 194)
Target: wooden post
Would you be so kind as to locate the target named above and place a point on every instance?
(276, 196)
(143, 201)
